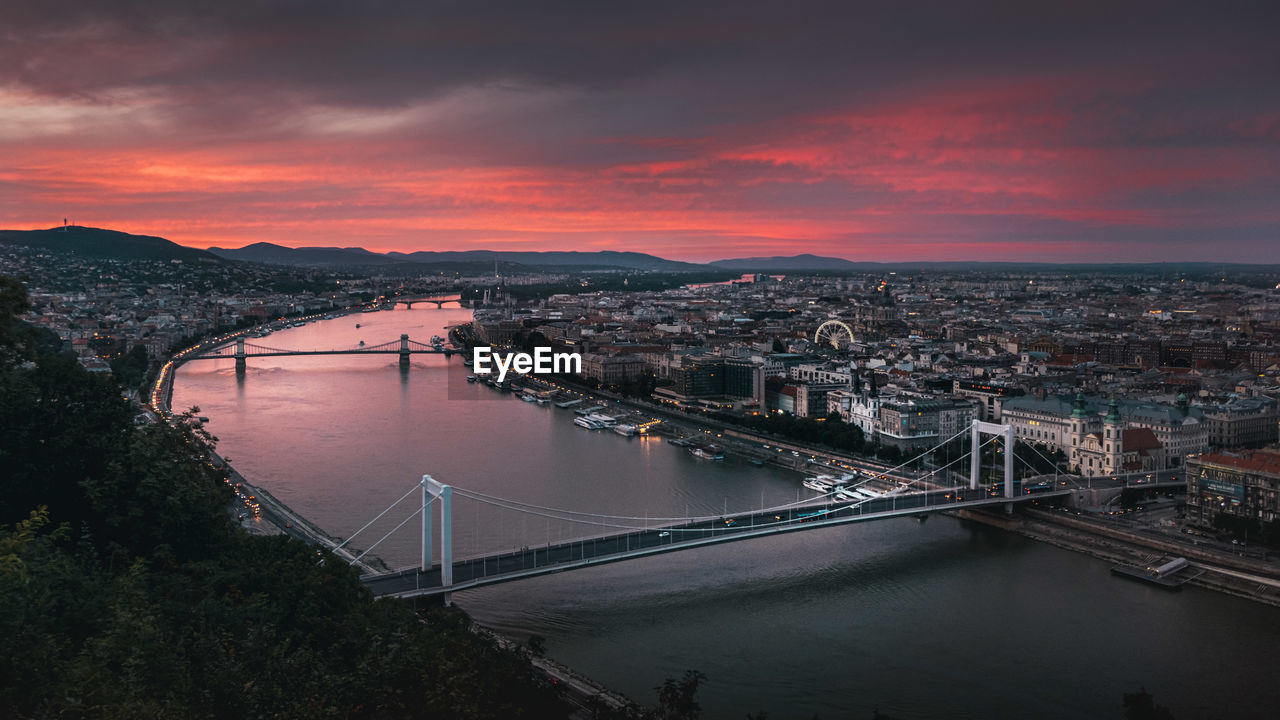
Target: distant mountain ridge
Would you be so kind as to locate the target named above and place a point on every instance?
(270, 253)
(105, 244)
(115, 245)
(569, 258)
(804, 261)
(280, 255)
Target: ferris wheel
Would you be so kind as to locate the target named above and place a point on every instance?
(833, 333)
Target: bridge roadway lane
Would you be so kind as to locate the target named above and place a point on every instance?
(291, 353)
(503, 567)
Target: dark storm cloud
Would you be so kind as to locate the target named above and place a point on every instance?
(389, 53)
(626, 68)
(733, 123)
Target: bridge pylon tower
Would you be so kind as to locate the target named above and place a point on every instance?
(241, 363)
(432, 489)
(404, 352)
(977, 430)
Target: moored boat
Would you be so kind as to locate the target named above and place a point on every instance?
(817, 484)
(603, 420)
(708, 452)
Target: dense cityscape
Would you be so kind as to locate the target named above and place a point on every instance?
(1183, 363)
(1147, 395)
(657, 361)
(907, 358)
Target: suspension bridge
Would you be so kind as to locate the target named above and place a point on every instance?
(242, 350)
(619, 538)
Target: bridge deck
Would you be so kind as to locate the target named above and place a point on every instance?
(220, 355)
(504, 567)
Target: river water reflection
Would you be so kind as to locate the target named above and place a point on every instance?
(933, 619)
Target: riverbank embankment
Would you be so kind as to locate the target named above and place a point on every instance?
(1245, 579)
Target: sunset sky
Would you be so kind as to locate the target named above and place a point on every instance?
(1070, 131)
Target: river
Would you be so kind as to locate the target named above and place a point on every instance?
(917, 619)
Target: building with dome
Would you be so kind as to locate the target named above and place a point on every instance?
(1108, 437)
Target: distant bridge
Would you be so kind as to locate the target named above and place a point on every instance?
(437, 300)
(242, 350)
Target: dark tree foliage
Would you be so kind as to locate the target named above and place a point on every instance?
(677, 700)
(830, 431)
(131, 367)
(1141, 705)
(891, 454)
(1247, 529)
(127, 592)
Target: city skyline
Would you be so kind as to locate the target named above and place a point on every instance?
(1084, 134)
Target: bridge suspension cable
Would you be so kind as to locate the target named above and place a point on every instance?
(497, 502)
(262, 347)
(892, 469)
(937, 470)
(412, 515)
(521, 506)
(379, 517)
(230, 349)
(477, 495)
(599, 518)
(637, 523)
(1070, 476)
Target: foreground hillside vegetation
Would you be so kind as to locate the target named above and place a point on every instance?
(127, 592)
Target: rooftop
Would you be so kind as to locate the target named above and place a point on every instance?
(1258, 461)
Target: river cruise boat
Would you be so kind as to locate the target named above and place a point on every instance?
(820, 483)
(708, 452)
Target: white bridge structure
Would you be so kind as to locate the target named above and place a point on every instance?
(633, 537)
